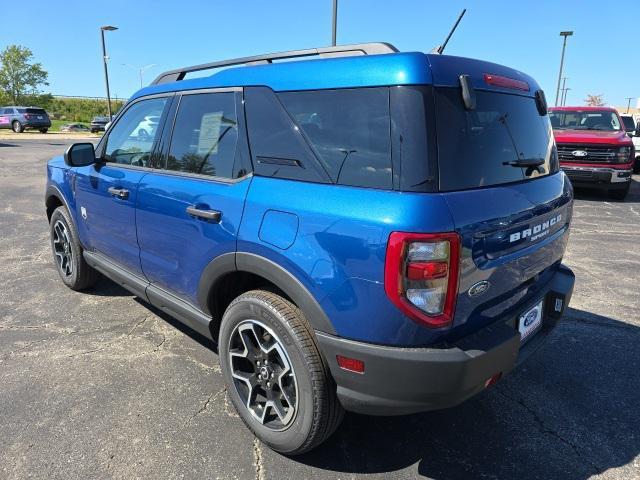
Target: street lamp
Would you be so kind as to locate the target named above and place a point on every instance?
(108, 28)
(564, 45)
(334, 21)
(140, 70)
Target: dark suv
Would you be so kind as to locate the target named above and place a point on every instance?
(374, 231)
(21, 118)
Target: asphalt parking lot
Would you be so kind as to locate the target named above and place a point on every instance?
(98, 385)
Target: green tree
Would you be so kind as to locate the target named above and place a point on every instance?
(19, 75)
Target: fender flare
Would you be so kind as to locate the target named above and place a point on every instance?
(263, 267)
(53, 191)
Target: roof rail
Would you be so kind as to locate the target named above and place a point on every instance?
(338, 51)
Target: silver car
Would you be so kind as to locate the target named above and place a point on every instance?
(19, 119)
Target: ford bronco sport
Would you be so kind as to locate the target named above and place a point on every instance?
(594, 149)
(374, 231)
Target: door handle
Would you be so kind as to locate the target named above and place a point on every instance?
(212, 215)
(120, 193)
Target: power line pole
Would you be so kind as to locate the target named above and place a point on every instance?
(629, 103)
(564, 46)
(564, 99)
(334, 21)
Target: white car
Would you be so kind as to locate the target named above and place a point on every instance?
(632, 128)
(147, 128)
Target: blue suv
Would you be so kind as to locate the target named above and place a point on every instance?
(366, 230)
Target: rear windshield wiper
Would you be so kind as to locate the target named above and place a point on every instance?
(525, 162)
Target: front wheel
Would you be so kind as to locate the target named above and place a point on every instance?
(67, 252)
(17, 126)
(276, 377)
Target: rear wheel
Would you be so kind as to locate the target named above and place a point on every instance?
(67, 252)
(17, 126)
(276, 377)
(619, 193)
(44, 130)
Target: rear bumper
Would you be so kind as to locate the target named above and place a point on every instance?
(598, 176)
(37, 124)
(400, 381)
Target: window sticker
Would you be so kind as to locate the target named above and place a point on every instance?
(209, 133)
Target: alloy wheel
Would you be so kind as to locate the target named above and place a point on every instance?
(263, 375)
(62, 248)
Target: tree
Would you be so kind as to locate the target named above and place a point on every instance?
(594, 101)
(19, 76)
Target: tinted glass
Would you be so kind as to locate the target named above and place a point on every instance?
(585, 120)
(131, 139)
(350, 131)
(21, 110)
(36, 111)
(205, 135)
(629, 124)
(475, 146)
(278, 148)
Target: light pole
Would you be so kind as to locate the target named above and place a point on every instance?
(334, 21)
(564, 97)
(629, 103)
(564, 46)
(140, 70)
(108, 28)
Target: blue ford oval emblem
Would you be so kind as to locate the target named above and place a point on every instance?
(479, 288)
(530, 318)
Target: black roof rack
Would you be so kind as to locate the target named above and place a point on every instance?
(338, 51)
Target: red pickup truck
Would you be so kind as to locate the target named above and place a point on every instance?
(593, 148)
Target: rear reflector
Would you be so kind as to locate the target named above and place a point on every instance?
(505, 82)
(493, 380)
(350, 364)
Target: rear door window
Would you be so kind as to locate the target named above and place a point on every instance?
(476, 146)
(349, 130)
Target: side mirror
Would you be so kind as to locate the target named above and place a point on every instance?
(80, 155)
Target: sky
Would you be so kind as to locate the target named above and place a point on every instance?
(601, 57)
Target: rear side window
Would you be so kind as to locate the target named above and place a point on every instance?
(349, 130)
(205, 135)
(476, 146)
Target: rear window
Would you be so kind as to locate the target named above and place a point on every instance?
(36, 111)
(349, 130)
(475, 146)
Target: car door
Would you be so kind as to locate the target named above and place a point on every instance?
(106, 192)
(189, 210)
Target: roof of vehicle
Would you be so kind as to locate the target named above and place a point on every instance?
(583, 109)
(19, 106)
(346, 71)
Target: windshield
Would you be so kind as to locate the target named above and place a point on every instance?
(604, 120)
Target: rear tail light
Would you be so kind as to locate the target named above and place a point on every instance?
(27, 116)
(421, 275)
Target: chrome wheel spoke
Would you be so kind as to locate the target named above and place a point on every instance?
(263, 376)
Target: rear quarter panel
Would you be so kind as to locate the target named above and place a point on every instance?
(333, 239)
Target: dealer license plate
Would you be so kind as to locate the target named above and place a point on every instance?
(530, 322)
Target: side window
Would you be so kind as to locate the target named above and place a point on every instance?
(131, 139)
(350, 130)
(278, 148)
(205, 135)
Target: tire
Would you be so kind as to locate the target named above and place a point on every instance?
(285, 332)
(17, 127)
(619, 193)
(74, 272)
(44, 130)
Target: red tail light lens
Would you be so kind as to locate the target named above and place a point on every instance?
(27, 116)
(505, 82)
(421, 275)
(350, 364)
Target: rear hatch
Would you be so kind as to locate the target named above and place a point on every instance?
(499, 173)
(36, 115)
